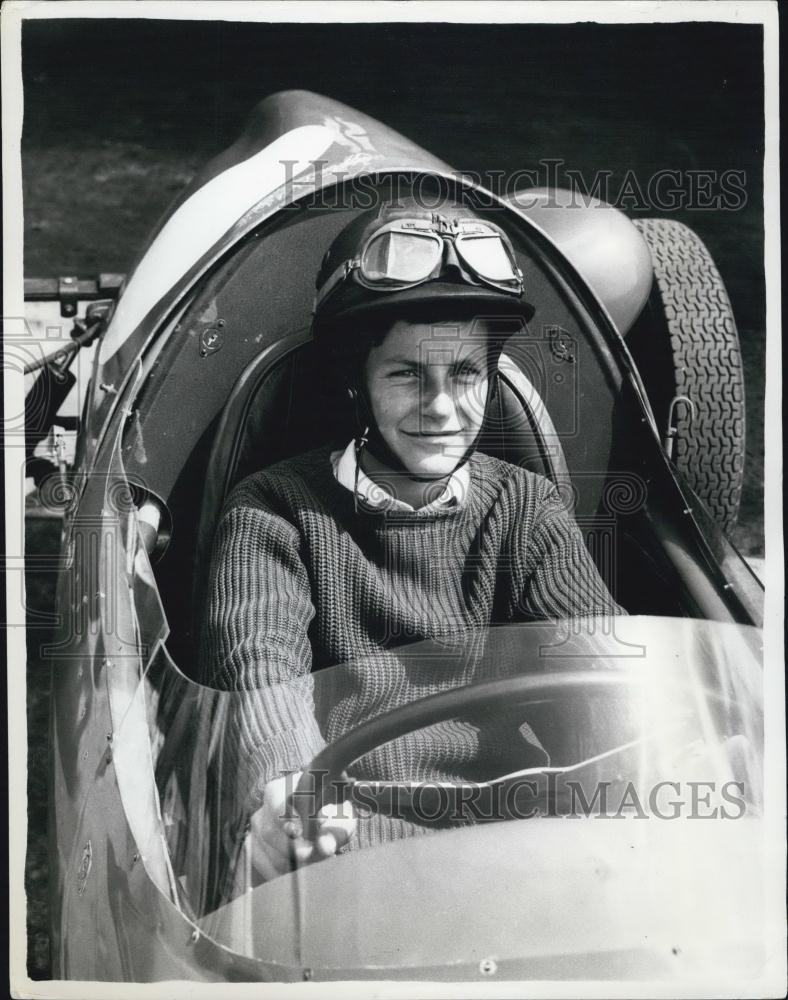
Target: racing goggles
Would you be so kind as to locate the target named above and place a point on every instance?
(407, 252)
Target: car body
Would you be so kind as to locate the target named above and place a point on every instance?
(201, 376)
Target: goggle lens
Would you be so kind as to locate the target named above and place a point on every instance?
(408, 253)
(487, 256)
(400, 257)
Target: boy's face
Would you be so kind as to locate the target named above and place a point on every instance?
(427, 385)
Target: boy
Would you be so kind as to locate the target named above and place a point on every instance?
(408, 531)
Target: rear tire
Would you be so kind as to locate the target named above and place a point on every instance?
(690, 347)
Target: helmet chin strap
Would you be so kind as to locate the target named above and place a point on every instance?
(368, 436)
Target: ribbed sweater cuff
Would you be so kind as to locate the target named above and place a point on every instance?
(286, 750)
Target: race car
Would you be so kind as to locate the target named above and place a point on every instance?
(625, 392)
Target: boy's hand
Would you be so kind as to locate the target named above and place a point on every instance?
(276, 838)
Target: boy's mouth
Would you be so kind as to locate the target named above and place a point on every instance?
(435, 435)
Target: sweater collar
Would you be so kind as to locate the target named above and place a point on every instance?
(343, 464)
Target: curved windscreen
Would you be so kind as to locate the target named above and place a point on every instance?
(551, 798)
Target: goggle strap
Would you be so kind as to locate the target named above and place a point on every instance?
(336, 278)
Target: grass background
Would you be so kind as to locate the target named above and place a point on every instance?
(120, 114)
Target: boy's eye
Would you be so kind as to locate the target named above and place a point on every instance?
(404, 373)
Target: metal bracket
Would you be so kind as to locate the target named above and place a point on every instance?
(83, 333)
(68, 294)
(672, 431)
(69, 291)
(559, 347)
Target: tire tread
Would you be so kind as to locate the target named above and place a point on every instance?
(704, 344)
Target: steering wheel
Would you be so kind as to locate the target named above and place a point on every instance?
(326, 778)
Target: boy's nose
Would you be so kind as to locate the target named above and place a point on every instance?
(438, 404)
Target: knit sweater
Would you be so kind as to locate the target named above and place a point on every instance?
(300, 581)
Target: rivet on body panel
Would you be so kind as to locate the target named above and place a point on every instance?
(211, 341)
(488, 966)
